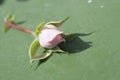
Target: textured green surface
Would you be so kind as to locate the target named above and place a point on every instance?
(99, 62)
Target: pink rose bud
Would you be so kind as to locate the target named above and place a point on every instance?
(50, 36)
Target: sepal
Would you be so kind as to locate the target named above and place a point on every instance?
(57, 23)
(39, 28)
(33, 49)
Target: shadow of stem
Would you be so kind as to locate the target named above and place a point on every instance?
(20, 22)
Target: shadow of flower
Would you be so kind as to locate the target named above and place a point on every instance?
(75, 44)
(42, 61)
(72, 45)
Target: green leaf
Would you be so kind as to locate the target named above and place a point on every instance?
(10, 18)
(33, 49)
(39, 28)
(58, 23)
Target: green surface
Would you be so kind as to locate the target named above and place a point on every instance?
(99, 62)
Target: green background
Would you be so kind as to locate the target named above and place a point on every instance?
(101, 61)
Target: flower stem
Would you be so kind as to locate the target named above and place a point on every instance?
(14, 26)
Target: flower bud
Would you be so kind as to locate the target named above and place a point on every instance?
(50, 36)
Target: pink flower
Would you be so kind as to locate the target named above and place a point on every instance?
(50, 36)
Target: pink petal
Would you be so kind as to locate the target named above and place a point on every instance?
(58, 39)
(49, 37)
